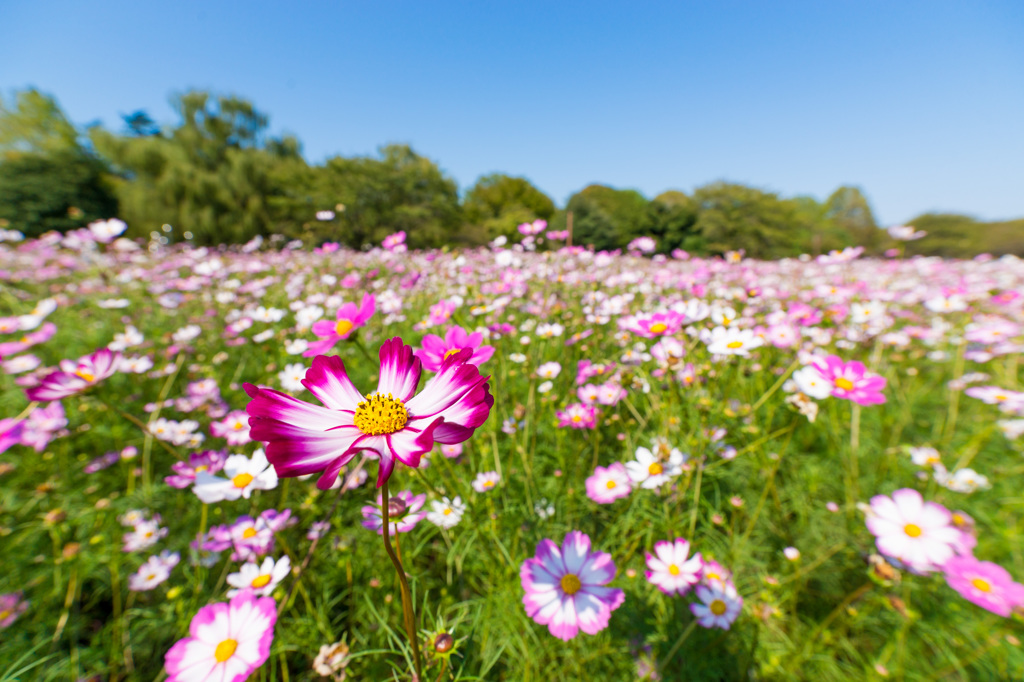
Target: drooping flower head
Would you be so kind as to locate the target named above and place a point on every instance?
(228, 641)
(565, 587)
(76, 376)
(435, 349)
(349, 318)
(392, 423)
(404, 512)
(851, 380)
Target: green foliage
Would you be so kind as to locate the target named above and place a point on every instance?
(57, 191)
(608, 218)
(35, 124)
(851, 221)
(732, 216)
(499, 203)
(951, 234)
(398, 190)
(673, 219)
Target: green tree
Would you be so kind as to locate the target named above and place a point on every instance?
(732, 216)
(497, 204)
(57, 191)
(672, 217)
(35, 124)
(398, 190)
(852, 221)
(608, 218)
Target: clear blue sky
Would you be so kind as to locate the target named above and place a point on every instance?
(919, 103)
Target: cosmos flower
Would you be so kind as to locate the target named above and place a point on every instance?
(719, 605)
(228, 641)
(243, 476)
(446, 513)
(76, 376)
(156, 570)
(234, 428)
(485, 481)
(650, 472)
(917, 533)
(655, 325)
(608, 484)
(105, 231)
(565, 588)
(10, 432)
(349, 319)
(984, 583)
(436, 350)
(263, 578)
(732, 341)
(850, 380)
(670, 569)
(12, 605)
(577, 416)
(210, 461)
(392, 423)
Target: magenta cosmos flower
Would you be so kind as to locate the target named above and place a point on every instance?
(672, 571)
(393, 422)
(349, 319)
(228, 641)
(435, 349)
(565, 588)
(653, 326)
(850, 380)
(983, 583)
(608, 484)
(76, 376)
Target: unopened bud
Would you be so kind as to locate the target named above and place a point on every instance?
(443, 643)
(396, 507)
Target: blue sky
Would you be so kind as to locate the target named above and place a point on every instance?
(919, 103)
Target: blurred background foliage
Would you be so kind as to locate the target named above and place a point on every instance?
(218, 175)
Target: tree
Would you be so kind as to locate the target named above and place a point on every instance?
(216, 174)
(58, 191)
(608, 218)
(35, 124)
(497, 204)
(850, 215)
(672, 216)
(398, 190)
(732, 216)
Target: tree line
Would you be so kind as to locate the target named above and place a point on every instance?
(217, 176)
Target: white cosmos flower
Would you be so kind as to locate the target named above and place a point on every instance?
(243, 476)
(446, 513)
(733, 341)
(809, 381)
(262, 579)
(649, 472)
(291, 376)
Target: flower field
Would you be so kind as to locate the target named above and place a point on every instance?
(522, 462)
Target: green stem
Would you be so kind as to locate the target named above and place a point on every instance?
(675, 647)
(410, 615)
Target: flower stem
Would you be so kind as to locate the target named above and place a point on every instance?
(679, 642)
(854, 464)
(410, 615)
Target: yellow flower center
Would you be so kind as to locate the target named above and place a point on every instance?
(576, 418)
(570, 584)
(488, 484)
(981, 584)
(844, 383)
(673, 569)
(239, 425)
(201, 467)
(379, 415)
(658, 328)
(958, 519)
(718, 607)
(913, 530)
(225, 650)
(24, 339)
(452, 352)
(712, 576)
(150, 576)
(148, 534)
(85, 375)
(260, 581)
(242, 480)
(734, 344)
(4, 614)
(654, 469)
(1001, 397)
(447, 511)
(610, 485)
(248, 533)
(343, 327)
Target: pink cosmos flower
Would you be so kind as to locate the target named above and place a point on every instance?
(653, 326)
(850, 380)
(210, 461)
(578, 416)
(76, 376)
(486, 481)
(608, 484)
(44, 333)
(565, 588)
(403, 512)
(12, 605)
(234, 428)
(10, 432)
(392, 423)
(671, 571)
(984, 583)
(435, 349)
(228, 641)
(395, 242)
(917, 533)
(349, 318)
